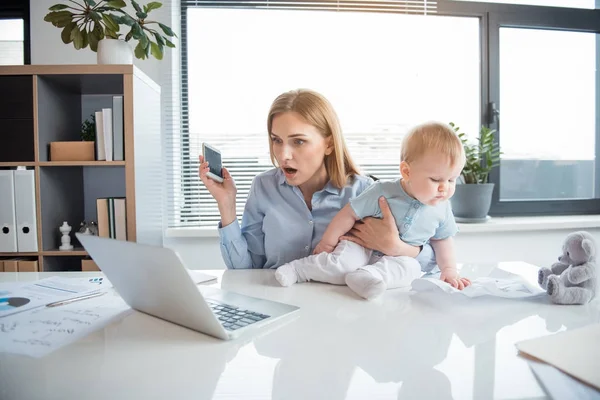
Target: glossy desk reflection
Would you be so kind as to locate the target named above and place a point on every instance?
(403, 346)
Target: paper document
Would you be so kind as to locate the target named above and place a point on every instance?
(201, 277)
(575, 352)
(559, 385)
(508, 288)
(39, 332)
(18, 297)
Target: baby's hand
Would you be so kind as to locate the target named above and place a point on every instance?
(323, 247)
(450, 275)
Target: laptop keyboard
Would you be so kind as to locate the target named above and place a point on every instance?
(233, 317)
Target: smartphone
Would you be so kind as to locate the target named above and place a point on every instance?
(213, 156)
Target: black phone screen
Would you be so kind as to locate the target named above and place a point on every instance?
(214, 161)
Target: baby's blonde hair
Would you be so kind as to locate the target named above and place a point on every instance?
(432, 136)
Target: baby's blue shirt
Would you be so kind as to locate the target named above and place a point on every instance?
(417, 222)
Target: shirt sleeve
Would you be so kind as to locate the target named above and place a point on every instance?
(448, 227)
(244, 247)
(426, 258)
(366, 204)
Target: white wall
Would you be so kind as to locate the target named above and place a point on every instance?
(540, 248)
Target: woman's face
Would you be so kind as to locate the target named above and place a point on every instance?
(299, 148)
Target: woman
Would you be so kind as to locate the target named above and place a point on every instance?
(290, 206)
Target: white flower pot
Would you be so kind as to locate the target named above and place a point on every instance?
(114, 51)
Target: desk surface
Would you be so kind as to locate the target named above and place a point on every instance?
(403, 346)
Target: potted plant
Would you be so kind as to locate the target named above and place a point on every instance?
(473, 197)
(97, 23)
(82, 150)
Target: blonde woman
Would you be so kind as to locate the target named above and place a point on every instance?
(289, 207)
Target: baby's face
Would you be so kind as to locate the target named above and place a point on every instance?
(432, 179)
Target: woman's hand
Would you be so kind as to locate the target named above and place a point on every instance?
(381, 234)
(224, 193)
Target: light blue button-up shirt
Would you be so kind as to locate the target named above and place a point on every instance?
(416, 222)
(277, 226)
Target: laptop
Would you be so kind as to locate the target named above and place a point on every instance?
(153, 280)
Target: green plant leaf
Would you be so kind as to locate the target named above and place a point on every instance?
(169, 43)
(153, 5)
(144, 41)
(84, 38)
(77, 37)
(127, 20)
(156, 51)
(65, 35)
(59, 18)
(129, 36)
(110, 34)
(141, 15)
(159, 38)
(116, 3)
(167, 30)
(93, 39)
(58, 7)
(95, 16)
(136, 6)
(139, 51)
(138, 32)
(110, 22)
(91, 2)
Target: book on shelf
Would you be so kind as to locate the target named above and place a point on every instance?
(110, 132)
(100, 147)
(117, 129)
(112, 217)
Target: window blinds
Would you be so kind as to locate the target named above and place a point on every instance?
(245, 154)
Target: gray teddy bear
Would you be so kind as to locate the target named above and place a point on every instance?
(574, 278)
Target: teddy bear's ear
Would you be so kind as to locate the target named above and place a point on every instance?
(588, 247)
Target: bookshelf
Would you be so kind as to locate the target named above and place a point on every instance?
(48, 103)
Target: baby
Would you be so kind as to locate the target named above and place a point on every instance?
(432, 158)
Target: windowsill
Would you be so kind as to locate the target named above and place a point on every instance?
(516, 224)
(496, 224)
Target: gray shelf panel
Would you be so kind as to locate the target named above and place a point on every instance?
(61, 197)
(88, 83)
(101, 182)
(59, 115)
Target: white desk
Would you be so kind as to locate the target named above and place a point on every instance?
(403, 346)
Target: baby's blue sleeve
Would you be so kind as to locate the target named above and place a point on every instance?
(366, 204)
(448, 226)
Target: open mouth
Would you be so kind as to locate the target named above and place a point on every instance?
(289, 171)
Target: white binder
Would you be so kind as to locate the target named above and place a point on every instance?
(8, 232)
(25, 210)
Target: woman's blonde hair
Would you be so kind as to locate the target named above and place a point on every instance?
(432, 136)
(317, 111)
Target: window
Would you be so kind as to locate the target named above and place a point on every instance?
(591, 4)
(387, 70)
(11, 42)
(379, 83)
(549, 145)
(14, 32)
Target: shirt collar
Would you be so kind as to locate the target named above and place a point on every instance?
(329, 187)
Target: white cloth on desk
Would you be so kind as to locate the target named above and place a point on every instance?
(484, 286)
